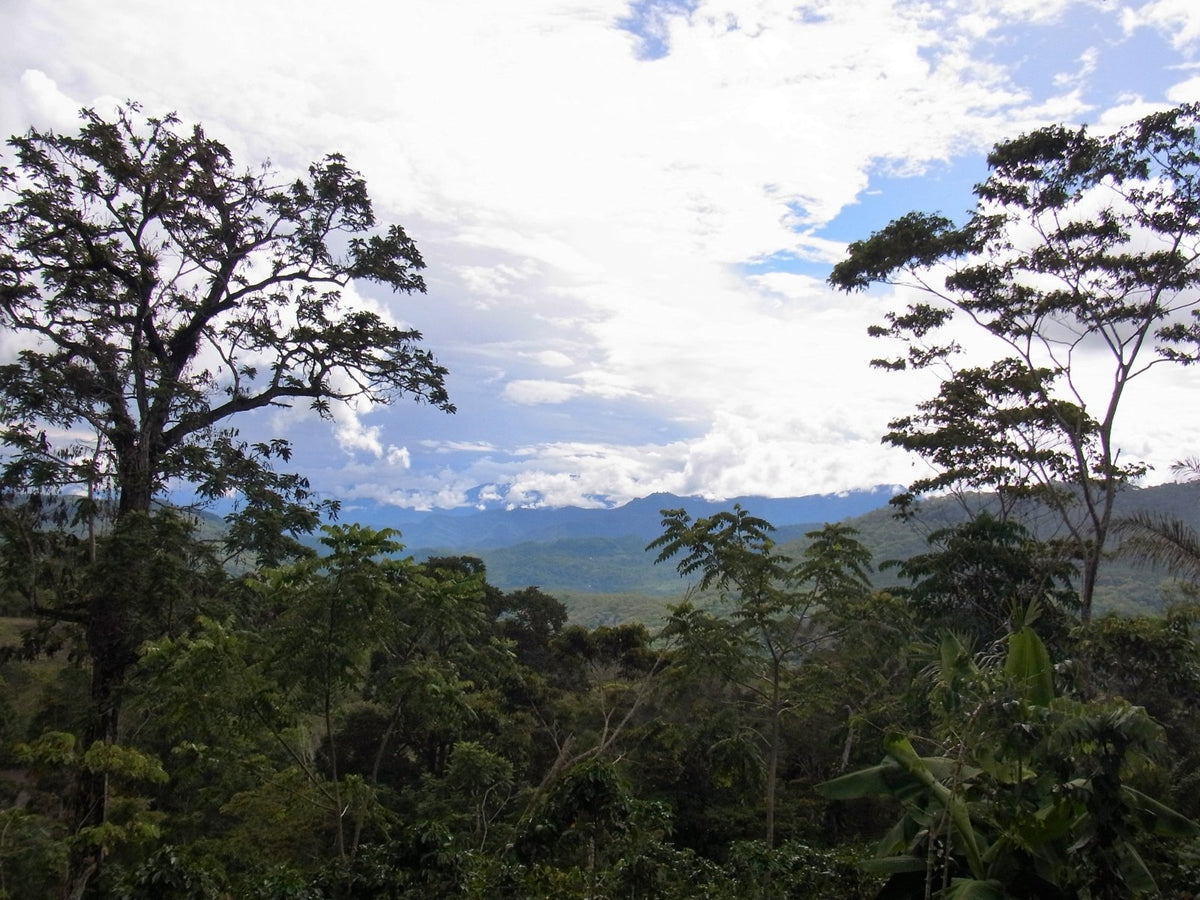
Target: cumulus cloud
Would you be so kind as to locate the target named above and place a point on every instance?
(628, 210)
(552, 359)
(1178, 20)
(46, 105)
(1185, 91)
(494, 282)
(352, 435)
(399, 456)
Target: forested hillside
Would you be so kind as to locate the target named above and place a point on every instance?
(196, 713)
(607, 579)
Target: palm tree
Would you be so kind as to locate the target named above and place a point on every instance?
(1157, 539)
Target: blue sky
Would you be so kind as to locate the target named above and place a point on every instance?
(628, 210)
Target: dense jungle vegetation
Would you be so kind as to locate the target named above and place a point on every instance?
(201, 715)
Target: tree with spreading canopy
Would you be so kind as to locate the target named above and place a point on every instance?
(1081, 261)
(155, 292)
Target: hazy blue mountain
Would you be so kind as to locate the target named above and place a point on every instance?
(1121, 586)
(584, 569)
(458, 531)
(595, 559)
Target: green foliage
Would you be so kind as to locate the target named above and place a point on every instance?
(167, 872)
(52, 764)
(728, 549)
(1112, 264)
(356, 724)
(351, 723)
(340, 683)
(1035, 795)
(159, 292)
(1154, 663)
(33, 854)
(781, 612)
(982, 574)
(285, 817)
(793, 869)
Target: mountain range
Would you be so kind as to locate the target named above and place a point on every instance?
(595, 560)
(456, 531)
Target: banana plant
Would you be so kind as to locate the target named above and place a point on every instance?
(1029, 796)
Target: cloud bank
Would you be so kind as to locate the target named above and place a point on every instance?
(628, 209)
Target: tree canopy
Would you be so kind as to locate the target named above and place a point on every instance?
(158, 290)
(1081, 260)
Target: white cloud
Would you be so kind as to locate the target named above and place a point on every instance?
(1129, 108)
(552, 359)
(1178, 20)
(459, 446)
(588, 214)
(1185, 91)
(740, 456)
(353, 435)
(494, 282)
(795, 287)
(531, 392)
(46, 105)
(1088, 61)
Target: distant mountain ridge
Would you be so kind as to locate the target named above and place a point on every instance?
(595, 560)
(490, 529)
(586, 559)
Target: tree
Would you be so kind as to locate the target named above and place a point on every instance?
(981, 574)
(331, 608)
(530, 618)
(775, 621)
(1160, 539)
(159, 291)
(1080, 259)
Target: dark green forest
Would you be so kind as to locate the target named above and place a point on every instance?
(201, 712)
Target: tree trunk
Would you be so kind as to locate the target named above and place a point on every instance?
(1087, 584)
(108, 648)
(773, 762)
(118, 580)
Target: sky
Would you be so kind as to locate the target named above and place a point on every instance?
(628, 210)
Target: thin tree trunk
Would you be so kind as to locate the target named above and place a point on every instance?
(376, 764)
(90, 801)
(773, 761)
(338, 811)
(1087, 585)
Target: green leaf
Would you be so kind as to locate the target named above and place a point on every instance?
(973, 889)
(901, 750)
(1029, 664)
(1133, 868)
(892, 865)
(890, 778)
(121, 761)
(879, 779)
(1164, 821)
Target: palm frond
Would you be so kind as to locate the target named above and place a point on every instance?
(1159, 540)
